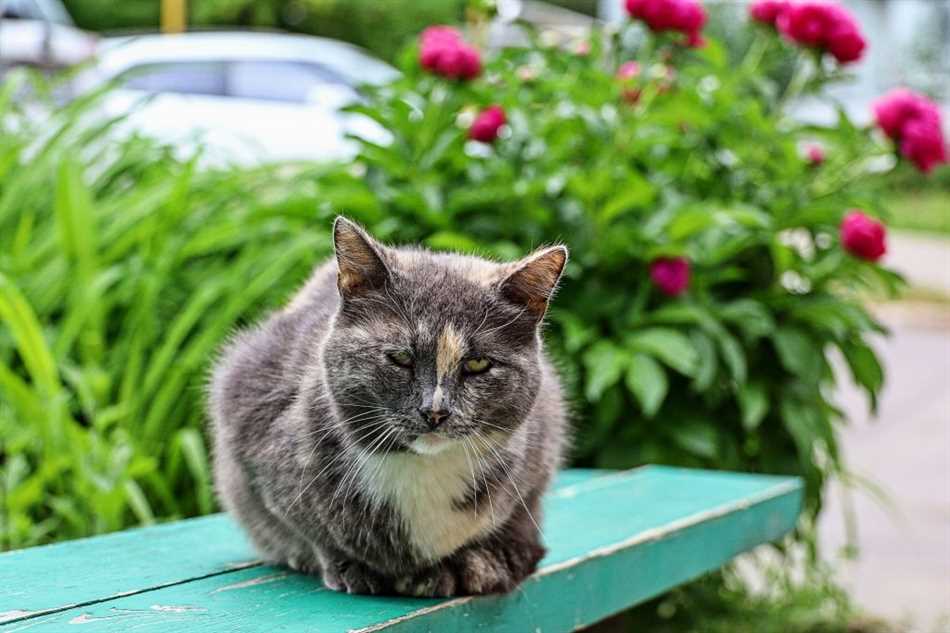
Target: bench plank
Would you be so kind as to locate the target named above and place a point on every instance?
(614, 541)
(83, 571)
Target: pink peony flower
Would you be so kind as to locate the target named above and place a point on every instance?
(443, 52)
(805, 23)
(440, 33)
(815, 154)
(922, 143)
(825, 26)
(898, 107)
(914, 122)
(686, 16)
(670, 275)
(845, 42)
(767, 11)
(862, 236)
(487, 124)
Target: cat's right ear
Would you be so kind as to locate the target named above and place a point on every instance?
(359, 259)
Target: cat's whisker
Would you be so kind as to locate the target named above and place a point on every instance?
(506, 469)
(465, 446)
(366, 455)
(364, 424)
(484, 474)
(482, 324)
(367, 430)
(506, 324)
(362, 457)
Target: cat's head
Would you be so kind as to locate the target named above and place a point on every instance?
(430, 348)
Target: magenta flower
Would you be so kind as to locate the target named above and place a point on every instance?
(825, 26)
(922, 144)
(685, 16)
(913, 121)
(670, 275)
(487, 124)
(767, 11)
(862, 236)
(443, 51)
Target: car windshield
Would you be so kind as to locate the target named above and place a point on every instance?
(287, 81)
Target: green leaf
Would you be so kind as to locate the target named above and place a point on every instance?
(750, 316)
(670, 346)
(23, 324)
(690, 223)
(798, 353)
(576, 331)
(865, 368)
(647, 380)
(636, 193)
(708, 360)
(733, 355)
(753, 403)
(452, 241)
(139, 503)
(699, 437)
(192, 447)
(605, 364)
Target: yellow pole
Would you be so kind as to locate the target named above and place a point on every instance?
(173, 16)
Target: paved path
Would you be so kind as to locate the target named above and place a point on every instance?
(924, 260)
(903, 569)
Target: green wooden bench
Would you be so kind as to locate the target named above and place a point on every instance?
(615, 539)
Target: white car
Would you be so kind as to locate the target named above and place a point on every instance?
(41, 34)
(243, 97)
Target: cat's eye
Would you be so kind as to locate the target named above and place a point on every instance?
(476, 365)
(401, 357)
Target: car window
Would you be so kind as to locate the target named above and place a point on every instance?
(295, 82)
(199, 78)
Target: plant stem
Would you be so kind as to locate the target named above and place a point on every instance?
(797, 83)
(753, 56)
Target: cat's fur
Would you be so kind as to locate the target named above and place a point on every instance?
(324, 449)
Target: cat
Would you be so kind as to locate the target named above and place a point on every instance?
(393, 428)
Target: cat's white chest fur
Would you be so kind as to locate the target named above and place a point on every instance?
(424, 490)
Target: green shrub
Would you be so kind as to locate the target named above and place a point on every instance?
(122, 268)
(694, 158)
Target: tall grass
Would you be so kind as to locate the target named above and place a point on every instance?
(122, 268)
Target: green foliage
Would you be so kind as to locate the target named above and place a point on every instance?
(736, 372)
(121, 271)
(724, 603)
(103, 15)
(123, 268)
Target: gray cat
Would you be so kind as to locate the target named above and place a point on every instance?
(394, 427)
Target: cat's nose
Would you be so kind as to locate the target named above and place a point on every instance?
(434, 417)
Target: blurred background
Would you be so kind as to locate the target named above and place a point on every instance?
(168, 171)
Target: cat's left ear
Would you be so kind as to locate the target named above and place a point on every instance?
(532, 281)
(359, 259)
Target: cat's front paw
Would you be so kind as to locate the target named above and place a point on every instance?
(437, 581)
(354, 577)
(496, 568)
